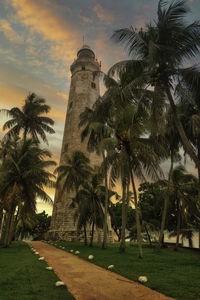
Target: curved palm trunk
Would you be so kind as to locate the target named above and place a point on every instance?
(105, 225)
(123, 242)
(187, 145)
(166, 202)
(138, 225)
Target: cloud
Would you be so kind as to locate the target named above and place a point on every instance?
(42, 17)
(103, 14)
(9, 32)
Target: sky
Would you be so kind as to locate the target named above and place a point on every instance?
(39, 40)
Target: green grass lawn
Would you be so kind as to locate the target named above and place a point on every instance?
(24, 277)
(175, 274)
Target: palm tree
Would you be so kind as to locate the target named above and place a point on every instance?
(96, 131)
(74, 171)
(30, 119)
(135, 155)
(23, 178)
(162, 49)
(89, 201)
(182, 194)
(172, 143)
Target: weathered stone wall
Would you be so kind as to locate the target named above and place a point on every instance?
(84, 91)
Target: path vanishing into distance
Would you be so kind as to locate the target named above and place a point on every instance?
(86, 281)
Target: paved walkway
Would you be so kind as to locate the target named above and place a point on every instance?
(87, 281)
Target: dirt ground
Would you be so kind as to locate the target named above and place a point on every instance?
(86, 281)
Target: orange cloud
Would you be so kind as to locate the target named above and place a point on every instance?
(9, 32)
(41, 18)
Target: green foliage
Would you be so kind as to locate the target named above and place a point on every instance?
(115, 211)
(30, 120)
(42, 225)
(24, 176)
(24, 277)
(164, 268)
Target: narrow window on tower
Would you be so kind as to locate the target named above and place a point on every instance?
(70, 105)
(93, 85)
(83, 68)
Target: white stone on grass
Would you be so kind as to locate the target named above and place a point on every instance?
(36, 252)
(49, 268)
(77, 252)
(142, 279)
(71, 250)
(59, 283)
(41, 258)
(110, 267)
(90, 257)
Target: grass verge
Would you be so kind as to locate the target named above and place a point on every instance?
(175, 274)
(24, 277)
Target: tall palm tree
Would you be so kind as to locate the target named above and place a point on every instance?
(23, 178)
(161, 49)
(96, 131)
(29, 120)
(138, 152)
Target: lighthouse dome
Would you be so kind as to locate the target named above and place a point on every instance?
(86, 52)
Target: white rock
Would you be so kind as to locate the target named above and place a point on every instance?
(49, 268)
(36, 252)
(71, 250)
(90, 257)
(41, 258)
(59, 283)
(110, 267)
(142, 279)
(77, 252)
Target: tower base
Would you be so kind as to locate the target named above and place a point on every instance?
(75, 236)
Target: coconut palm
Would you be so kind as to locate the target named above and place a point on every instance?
(89, 201)
(182, 192)
(134, 155)
(74, 171)
(29, 120)
(23, 178)
(96, 130)
(161, 49)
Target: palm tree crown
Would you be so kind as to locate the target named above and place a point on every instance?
(30, 119)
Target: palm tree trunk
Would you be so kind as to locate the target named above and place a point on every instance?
(138, 225)
(199, 238)
(15, 222)
(178, 228)
(85, 235)
(2, 225)
(123, 243)
(187, 145)
(9, 227)
(105, 225)
(148, 235)
(92, 235)
(25, 133)
(166, 202)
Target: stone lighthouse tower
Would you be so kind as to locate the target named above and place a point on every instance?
(84, 91)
